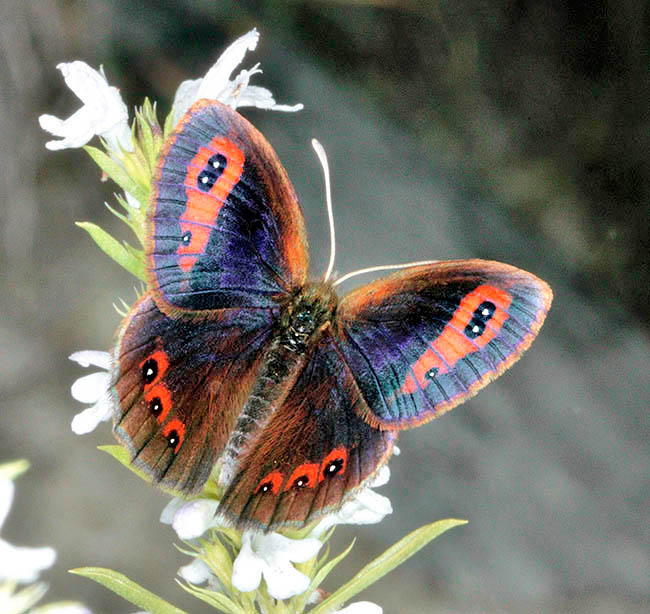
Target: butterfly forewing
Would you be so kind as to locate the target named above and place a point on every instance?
(178, 386)
(425, 339)
(225, 226)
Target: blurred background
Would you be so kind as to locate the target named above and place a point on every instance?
(515, 131)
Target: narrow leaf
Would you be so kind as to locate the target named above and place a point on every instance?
(116, 172)
(214, 598)
(320, 576)
(128, 590)
(113, 248)
(12, 469)
(391, 558)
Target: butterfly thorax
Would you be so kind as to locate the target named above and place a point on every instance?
(308, 312)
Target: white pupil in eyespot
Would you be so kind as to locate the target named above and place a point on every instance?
(476, 328)
(485, 312)
(215, 164)
(204, 180)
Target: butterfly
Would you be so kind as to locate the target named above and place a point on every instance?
(233, 355)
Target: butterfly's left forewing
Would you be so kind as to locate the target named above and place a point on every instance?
(425, 339)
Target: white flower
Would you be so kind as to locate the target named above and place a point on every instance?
(361, 607)
(190, 519)
(19, 564)
(93, 389)
(103, 112)
(216, 85)
(197, 572)
(271, 555)
(367, 507)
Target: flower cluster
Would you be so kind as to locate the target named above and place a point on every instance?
(242, 571)
(23, 565)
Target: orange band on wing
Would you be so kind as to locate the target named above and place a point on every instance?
(159, 395)
(162, 363)
(177, 427)
(452, 344)
(271, 482)
(203, 208)
(306, 474)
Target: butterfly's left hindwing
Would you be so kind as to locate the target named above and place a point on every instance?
(425, 339)
(178, 387)
(313, 454)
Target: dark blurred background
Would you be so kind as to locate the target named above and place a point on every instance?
(515, 131)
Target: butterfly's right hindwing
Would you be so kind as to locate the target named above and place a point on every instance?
(179, 385)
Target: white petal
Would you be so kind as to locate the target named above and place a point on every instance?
(67, 608)
(90, 388)
(185, 97)
(132, 201)
(24, 564)
(92, 357)
(7, 489)
(396, 451)
(103, 112)
(216, 79)
(197, 572)
(167, 515)
(285, 581)
(87, 420)
(260, 97)
(247, 568)
(87, 83)
(194, 518)
(273, 546)
(361, 607)
(367, 507)
(382, 477)
(76, 131)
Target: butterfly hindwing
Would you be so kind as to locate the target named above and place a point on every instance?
(314, 453)
(178, 386)
(427, 338)
(225, 227)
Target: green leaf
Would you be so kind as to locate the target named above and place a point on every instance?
(116, 250)
(169, 124)
(13, 469)
(320, 576)
(214, 598)
(128, 590)
(121, 455)
(116, 172)
(391, 558)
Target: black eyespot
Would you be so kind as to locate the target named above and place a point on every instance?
(211, 172)
(186, 237)
(334, 467)
(173, 438)
(431, 373)
(155, 406)
(301, 481)
(149, 371)
(481, 316)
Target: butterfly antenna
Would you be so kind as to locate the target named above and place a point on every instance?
(382, 267)
(322, 157)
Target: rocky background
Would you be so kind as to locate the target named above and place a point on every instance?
(515, 131)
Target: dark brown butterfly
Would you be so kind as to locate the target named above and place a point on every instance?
(233, 355)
